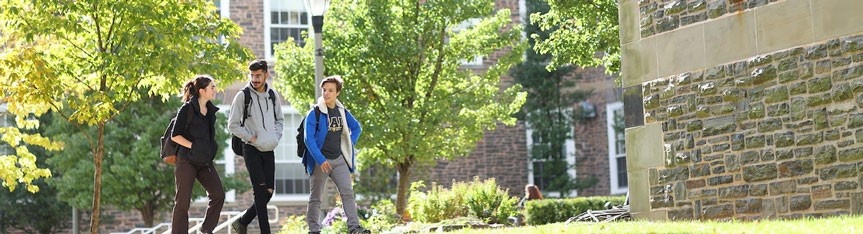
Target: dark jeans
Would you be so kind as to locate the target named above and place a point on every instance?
(262, 169)
(185, 175)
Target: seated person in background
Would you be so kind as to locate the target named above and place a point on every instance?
(531, 192)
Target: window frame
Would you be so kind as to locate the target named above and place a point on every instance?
(268, 25)
(569, 150)
(613, 155)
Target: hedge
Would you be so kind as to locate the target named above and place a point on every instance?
(539, 212)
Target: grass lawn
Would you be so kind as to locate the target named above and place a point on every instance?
(840, 224)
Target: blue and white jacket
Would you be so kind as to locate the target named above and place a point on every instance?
(314, 139)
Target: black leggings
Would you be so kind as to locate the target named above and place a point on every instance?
(262, 169)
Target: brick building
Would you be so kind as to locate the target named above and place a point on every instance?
(502, 154)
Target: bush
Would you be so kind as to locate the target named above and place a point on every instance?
(487, 201)
(435, 205)
(539, 212)
(482, 199)
(382, 217)
(294, 224)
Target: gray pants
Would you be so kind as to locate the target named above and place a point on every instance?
(341, 176)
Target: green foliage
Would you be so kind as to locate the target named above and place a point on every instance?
(401, 61)
(538, 212)
(381, 218)
(21, 167)
(88, 59)
(548, 110)
(376, 182)
(17, 206)
(435, 204)
(139, 180)
(481, 199)
(487, 201)
(582, 29)
(294, 224)
(35, 212)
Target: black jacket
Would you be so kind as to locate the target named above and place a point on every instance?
(201, 131)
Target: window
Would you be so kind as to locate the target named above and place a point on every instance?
(283, 20)
(477, 60)
(291, 179)
(616, 148)
(541, 172)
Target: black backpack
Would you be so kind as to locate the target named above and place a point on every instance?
(169, 147)
(301, 139)
(236, 142)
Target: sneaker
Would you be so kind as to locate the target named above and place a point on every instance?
(359, 230)
(238, 227)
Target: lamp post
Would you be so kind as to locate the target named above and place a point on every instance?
(317, 9)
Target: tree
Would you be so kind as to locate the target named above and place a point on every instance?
(587, 33)
(86, 60)
(401, 61)
(17, 206)
(548, 111)
(139, 180)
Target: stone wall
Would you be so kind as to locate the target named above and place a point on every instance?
(748, 113)
(778, 135)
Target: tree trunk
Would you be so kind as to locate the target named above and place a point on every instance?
(97, 179)
(148, 213)
(404, 186)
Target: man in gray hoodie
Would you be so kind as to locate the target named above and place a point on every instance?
(260, 129)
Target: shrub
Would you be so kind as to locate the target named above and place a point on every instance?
(294, 224)
(435, 205)
(539, 212)
(487, 201)
(382, 217)
(482, 199)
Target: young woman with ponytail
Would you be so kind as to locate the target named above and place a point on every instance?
(197, 151)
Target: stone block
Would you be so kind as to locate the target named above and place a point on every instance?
(833, 204)
(800, 203)
(638, 62)
(629, 22)
(748, 206)
(759, 172)
(717, 211)
(730, 32)
(783, 25)
(680, 50)
(836, 18)
(838, 172)
(795, 168)
(783, 187)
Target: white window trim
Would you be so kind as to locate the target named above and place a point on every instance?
(612, 152)
(287, 109)
(225, 9)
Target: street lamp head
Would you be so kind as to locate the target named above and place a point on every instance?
(318, 7)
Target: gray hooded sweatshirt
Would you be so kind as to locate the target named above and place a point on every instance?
(261, 122)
